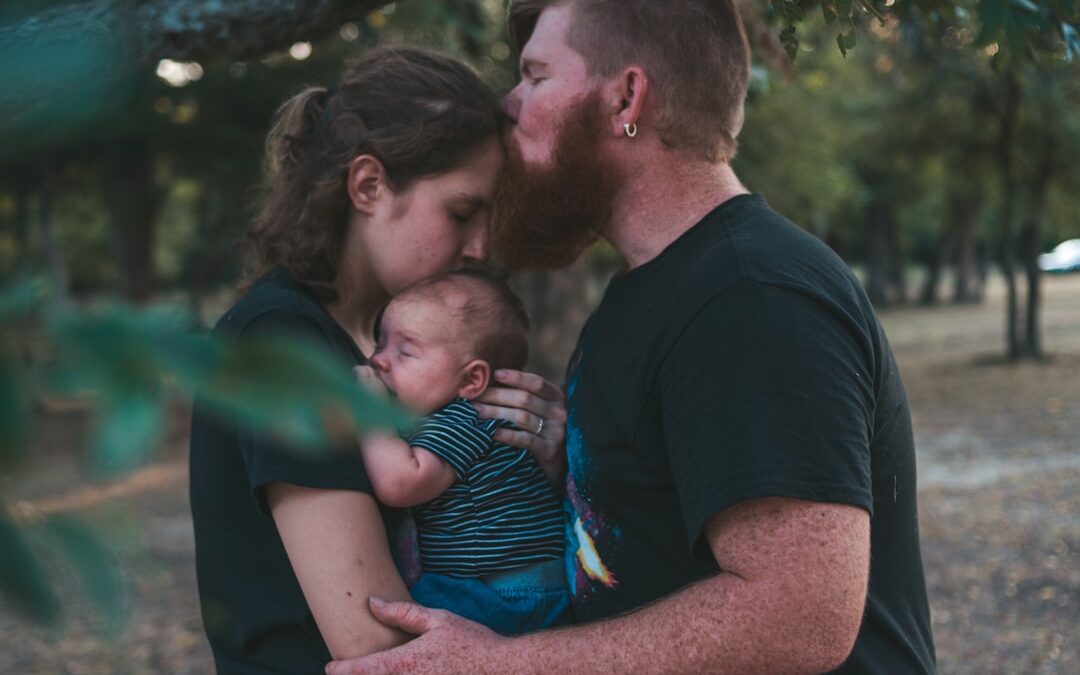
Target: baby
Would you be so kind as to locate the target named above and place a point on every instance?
(490, 527)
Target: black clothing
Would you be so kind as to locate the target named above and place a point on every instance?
(253, 609)
(744, 361)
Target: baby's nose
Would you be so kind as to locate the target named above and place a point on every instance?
(379, 362)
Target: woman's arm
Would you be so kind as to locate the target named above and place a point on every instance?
(403, 475)
(525, 399)
(337, 546)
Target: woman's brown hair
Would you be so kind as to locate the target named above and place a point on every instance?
(421, 113)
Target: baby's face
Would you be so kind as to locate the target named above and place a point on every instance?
(419, 356)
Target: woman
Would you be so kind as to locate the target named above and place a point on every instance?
(372, 186)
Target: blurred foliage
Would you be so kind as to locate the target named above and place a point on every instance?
(891, 109)
(131, 363)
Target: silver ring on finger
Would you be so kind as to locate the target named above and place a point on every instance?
(539, 427)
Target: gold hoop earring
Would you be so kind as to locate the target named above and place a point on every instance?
(631, 129)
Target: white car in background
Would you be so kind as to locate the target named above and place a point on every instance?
(1064, 258)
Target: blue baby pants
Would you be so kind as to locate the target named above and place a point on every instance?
(509, 603)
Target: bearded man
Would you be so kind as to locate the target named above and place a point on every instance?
(741, 462)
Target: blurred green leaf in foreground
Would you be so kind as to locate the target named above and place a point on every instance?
(130, 363)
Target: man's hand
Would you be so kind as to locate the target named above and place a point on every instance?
(446, 644)
(538, 408)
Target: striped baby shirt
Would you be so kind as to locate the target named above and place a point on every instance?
(500, 515)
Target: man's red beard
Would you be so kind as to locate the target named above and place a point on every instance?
(544, 217)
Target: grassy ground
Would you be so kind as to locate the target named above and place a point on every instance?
(999, 464)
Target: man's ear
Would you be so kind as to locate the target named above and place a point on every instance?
(366, 183)
(628, 95)
(475, 377)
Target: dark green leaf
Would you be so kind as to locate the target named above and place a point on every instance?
(992, 15)
(845, 42)
(829, 10)
(1026, 5)
(845, 8)
(21, 298)
(793, 11)
(21, 578)
(126, 432)
(96, 567)
(14, 416)
(790, 40)
(1072, 41)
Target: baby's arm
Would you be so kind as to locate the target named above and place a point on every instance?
(402, 475)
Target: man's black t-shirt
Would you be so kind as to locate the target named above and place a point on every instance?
(744, 361)
(253, 609)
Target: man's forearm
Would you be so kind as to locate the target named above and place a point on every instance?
(720, 625)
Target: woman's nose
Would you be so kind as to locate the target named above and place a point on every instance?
(475, 249)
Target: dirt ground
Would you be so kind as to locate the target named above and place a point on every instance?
(999, 472)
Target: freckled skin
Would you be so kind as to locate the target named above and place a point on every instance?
(789, 600)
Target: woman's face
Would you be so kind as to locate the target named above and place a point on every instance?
(439, 224)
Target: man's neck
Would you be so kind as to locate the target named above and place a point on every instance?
(659, 204)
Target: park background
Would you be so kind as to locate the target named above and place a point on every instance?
(934, 149)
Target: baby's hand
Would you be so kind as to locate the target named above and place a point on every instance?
(367, 378)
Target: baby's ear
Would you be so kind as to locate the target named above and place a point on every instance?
(475, 377)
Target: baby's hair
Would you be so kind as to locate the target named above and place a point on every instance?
(492, 316)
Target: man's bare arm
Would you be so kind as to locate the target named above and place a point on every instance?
(790, 599)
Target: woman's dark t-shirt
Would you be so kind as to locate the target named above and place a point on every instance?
(253, 609)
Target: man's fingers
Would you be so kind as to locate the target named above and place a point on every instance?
(519, 379)
(407, 616)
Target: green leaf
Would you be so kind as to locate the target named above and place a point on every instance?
(1026, 5)
(126, 432)
(1072, 41)
(14, 415)
(790, 40)
(829, 10)
(845, 42)
(21, 298)
(992, 15)
(793, 11)
(845, 8)
(21, 578)
(96, 567)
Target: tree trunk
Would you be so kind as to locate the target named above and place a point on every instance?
(1032, 246)
(877, 255)
(928, 296)
(897, 259)
(58, 272)
(133, 201)
(559, 303)
(967, 286)
(1008, 240)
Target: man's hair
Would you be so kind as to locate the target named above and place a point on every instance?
(420, 112)
(695, 53)
(492, 318)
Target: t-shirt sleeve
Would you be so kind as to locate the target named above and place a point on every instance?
(268, 457)
(455, 435)
(766, 393)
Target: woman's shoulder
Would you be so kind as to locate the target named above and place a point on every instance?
(275, 301)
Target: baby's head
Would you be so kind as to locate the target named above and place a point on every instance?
(443, 338)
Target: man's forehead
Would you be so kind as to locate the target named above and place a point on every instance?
(549, 35)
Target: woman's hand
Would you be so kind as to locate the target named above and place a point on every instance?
(537, 407)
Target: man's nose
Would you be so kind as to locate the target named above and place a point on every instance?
(511, 104)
